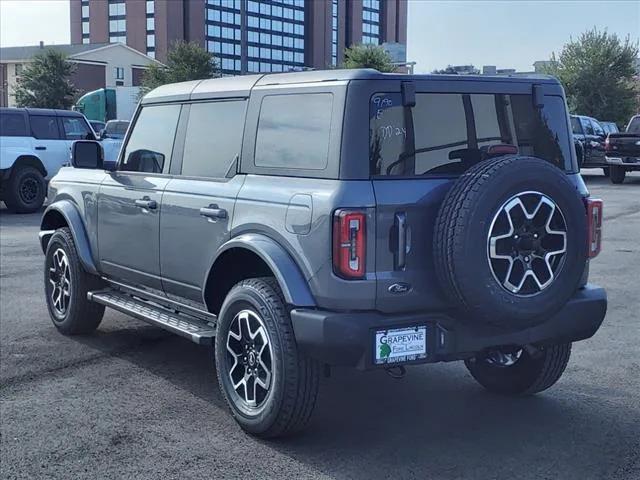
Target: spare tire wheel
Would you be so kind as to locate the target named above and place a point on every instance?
(509, 243)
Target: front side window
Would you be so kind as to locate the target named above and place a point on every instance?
(586, 126)
(597, 128)
(634, 125)
(13, 125)
(44, 127)
(213, 139)
(76, 129)
(447, 133)
(150, 144)
(294, 130)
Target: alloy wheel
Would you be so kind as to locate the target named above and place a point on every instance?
(60, 280)
(527, 243)
(249, 359)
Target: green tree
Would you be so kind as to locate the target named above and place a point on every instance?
(597, 71)
(185, 61)
(451, 70)
(45, 82)
(368, 56)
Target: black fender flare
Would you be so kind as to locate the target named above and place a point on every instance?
(73, 219)
(295, 287)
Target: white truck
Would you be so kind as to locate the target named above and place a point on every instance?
(34, 144)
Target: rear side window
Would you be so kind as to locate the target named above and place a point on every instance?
(151, 141)
(634, 125)
(13, 125)
(446, 133)
(76, 128)
(294, 130)
(214, 138)
(44, 127)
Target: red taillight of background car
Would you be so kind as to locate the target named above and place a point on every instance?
(594, 219)
(349, 239)
(607, 145)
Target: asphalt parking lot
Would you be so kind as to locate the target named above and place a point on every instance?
(132, 401)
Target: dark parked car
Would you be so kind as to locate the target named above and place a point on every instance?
(589, 137)
(623, 151)
(344, 217)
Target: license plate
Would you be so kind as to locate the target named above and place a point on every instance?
(400, 345)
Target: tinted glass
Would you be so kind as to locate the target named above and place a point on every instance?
(575, 126)
(214, 138)
(44, 127)
(13, 125)
(151, 142)
(586, 125)
(634, 125)
(116, 129)
(597, 128)
(293, 131)
(76, 129)
(455, 131)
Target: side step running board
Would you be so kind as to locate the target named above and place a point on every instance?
(188, 326)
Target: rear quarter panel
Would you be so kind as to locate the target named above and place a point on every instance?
(297, 213)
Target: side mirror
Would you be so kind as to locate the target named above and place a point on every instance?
(87, 154)
(103, 134)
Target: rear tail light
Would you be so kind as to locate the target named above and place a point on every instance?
(594, 219)
(349, 239)
(607, 145)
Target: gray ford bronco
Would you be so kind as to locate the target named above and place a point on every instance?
(301, 220)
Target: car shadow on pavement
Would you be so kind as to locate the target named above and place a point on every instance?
(437, 420)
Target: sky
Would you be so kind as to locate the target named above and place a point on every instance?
(505, 33)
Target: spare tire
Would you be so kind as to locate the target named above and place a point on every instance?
(510, 241)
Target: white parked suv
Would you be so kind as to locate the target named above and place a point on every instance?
(34, 144)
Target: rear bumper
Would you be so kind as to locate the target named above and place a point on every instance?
(633, 162)
(347, 338)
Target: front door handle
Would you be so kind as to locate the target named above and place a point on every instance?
(41, 147)
(147, 203)
(212, 211)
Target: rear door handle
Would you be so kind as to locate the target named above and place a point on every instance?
(147, 203)
(212, 211)
(401, 254)
(40, 147)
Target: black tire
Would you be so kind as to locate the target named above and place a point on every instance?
(606, 171)
(528, 375)
(291, 397)
(79, 315)
(617, 174)
(26, 190)
(461, 246)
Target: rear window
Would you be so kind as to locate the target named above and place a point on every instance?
(293, 131)
(13, 125)
(446, 133)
